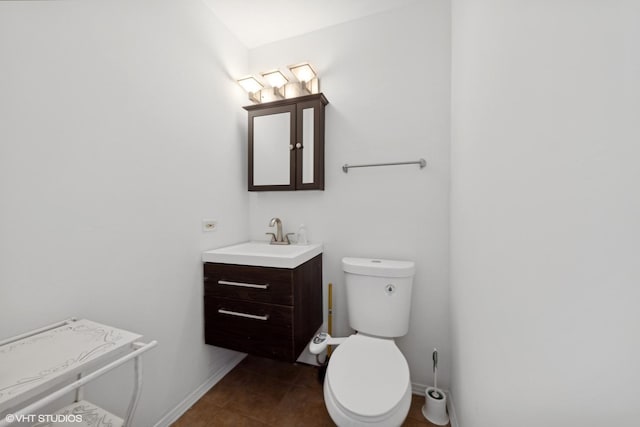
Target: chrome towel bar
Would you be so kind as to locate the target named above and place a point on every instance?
(421, 162)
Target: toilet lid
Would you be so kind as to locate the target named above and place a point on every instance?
(368, 376)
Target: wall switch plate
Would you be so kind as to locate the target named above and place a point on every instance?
(209, 225)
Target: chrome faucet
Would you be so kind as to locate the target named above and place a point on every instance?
(277, 238)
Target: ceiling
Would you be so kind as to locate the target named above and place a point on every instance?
(258, 22)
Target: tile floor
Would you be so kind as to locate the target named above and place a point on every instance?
(264, 392)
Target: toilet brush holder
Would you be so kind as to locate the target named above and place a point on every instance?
(435, 406)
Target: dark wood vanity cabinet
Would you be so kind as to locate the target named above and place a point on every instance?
(286, 144)
(265, 311)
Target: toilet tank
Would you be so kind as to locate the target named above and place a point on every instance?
(378, 295)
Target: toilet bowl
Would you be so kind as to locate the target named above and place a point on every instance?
(367, 383)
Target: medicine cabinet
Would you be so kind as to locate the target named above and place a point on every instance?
(286, 144)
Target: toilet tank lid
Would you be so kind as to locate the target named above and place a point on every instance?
(378, 267)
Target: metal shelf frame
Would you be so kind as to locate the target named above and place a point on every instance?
(29, 351)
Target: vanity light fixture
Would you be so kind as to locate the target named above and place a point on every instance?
(278, 82)
(278, 85)
(303, 72)
(275, 78)
(306, 75)
(252, 86)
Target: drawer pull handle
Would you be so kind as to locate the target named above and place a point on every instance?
(247, 315)
(243, 285)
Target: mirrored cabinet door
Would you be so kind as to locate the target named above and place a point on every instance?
(271, 148)
(306, 140)
(310, 145)
(286, 144)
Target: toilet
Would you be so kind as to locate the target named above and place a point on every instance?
(367, 381)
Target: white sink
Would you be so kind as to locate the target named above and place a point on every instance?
(263, 254)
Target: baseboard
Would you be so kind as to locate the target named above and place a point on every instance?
(452, 410)
(182, 407)
(420, 389)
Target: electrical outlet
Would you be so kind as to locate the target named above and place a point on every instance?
(209, 225)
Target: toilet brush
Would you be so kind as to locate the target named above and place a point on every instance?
(435, 405)
(435, 393)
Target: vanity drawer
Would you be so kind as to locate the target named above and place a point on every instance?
(256, 328)
(263, 284)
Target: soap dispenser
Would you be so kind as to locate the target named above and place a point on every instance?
(302, 235)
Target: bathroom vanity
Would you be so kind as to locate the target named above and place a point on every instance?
(263, 299)
(286, 144)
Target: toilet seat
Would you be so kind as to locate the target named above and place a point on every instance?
(368, 379)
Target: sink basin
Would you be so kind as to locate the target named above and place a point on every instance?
(263, 254)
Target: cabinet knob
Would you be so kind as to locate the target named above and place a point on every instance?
(298, 145)
(290, 147)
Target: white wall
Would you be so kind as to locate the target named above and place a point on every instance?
(120, 129)
(387, 78)
(545, 213)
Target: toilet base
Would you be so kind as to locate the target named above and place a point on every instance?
(343, 419)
